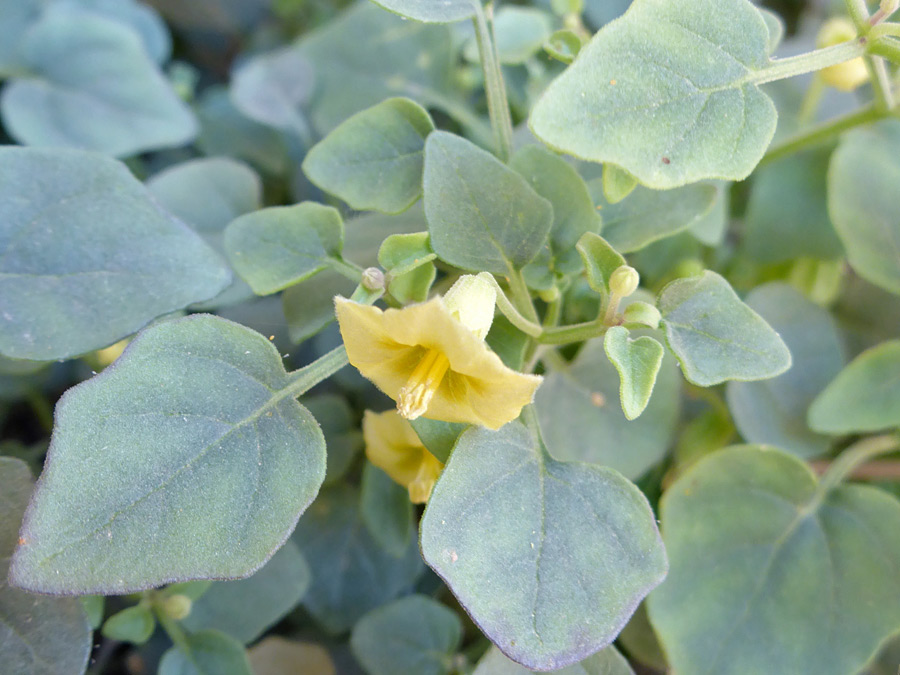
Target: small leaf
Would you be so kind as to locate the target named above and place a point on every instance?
(131, 109)
(862, 180)
(195, 420)
(352, 573)
(600, 260)
(309, 306)
(413, 286)
(386, 510)
(773, 412)
(715, 336)
(90, 257)
(563, 45)
(93, 607)
(134, 624)
(245, 609)
(431, 11)
(412, 635)
(550, 559)
(865, 396)
(38, 634)
(574, 214)
(211, 653)
(607, 661)
(761, 557)
(617, 183)
(402, 253)
(282, 245)
(646, 216)
(667, 93)
(373, 161)
(482, 216)
(638, 362)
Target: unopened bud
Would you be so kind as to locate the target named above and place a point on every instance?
(471, 300)
(177, 606)
(372, 279)
(624, 281)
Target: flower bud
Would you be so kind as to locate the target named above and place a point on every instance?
(177, 606)
(843, 76)
(372, 279)
(471, 300)
(624, 281)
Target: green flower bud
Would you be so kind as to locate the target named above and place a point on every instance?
(372, 279)
(624, 281)
(177, 606)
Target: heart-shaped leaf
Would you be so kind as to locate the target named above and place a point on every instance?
(214, 463)
(638, 361)
(549, 558)
(771, 573)
(667, 92)
(89, 257)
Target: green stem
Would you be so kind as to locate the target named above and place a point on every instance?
(811, 100)
(575, 333)
(887, 47)
(173, 630)
(301, 381)
(521, 295)
(884, 30)
(346, 268)
(859, 13)
(498, 106)
(553, 313)
(511, 313)
(881, 83)
(857, 454)
(809, 62)
(822, 133)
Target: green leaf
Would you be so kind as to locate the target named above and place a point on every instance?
(563, 45)
(715, 336)
(865, 396)
(550, 559)
(574, 214)
(710, 229)
(413, 286)
(386, 510)
(309, 307)
(787, 214)
(667, 93)
(413, 61)
(437, 436)
(617, 183)
(144, 20)
(343, 438)
(38, 634)
(402, 253)
(373, 161)
(640, 642)
(770, 575)
(280, 246)
(520, 32)
(89, 257)
(134, 624)
(600, 260)
(646, 215)
(582, 421)
(412, 635)
(862, 202)
(211, 653)
(16, 16)
(773, 412)
(430, 11)
(608, 661)
(93, 606)
(482, 216)
(352, 573)
(365, 234)
(244, 609)
(272, 87)
(131, 109)
(637, 361)
(195, 418)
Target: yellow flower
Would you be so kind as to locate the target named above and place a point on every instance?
(843, 76)
(393, 446)
(431, 358)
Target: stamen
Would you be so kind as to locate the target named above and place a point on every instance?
(413, 399)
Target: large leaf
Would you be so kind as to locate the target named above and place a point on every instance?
(715, 336)
(482, 216)
(862, 182)
(431, 11)
(582, 420)
(129, 109)
(244, 609)
(667, 93)
(605, 662)
(88, 256)
(38, 635)
(352, 574)
(186, 459)
(865, 396)
(773, 412)
(770, 575)
(373, 161)
(549, 558)
(412, 635)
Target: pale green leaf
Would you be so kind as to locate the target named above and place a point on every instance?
(667, 93)
(373, 161)
(402, 253)
(637, 361)
(134, 624)
(617, 183)
(715, 336)
(865, 396)
(88, 256)
(608, 661)
(214, 464)
(211, 653)
(482, 216)
(430, 11)
(550, 559)
(600, 260)
(769, 575)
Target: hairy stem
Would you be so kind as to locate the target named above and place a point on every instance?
(498, 106)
